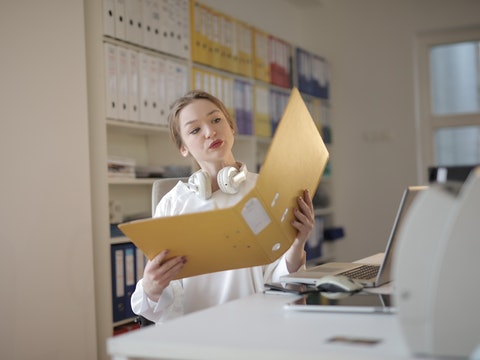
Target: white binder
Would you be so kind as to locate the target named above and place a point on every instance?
(144, 96)
(120, 27)
(134, 21)
(185, 29)
(163, 42)
(111, 81)
(122, 83)
(133, 86)
(177, 80)
(151, 21)
(153, 90)
(162, 93)
(109, 18)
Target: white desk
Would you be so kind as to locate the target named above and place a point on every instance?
(258, 327)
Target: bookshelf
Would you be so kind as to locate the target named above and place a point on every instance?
(122, 33)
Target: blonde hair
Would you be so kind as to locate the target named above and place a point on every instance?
(187, 99)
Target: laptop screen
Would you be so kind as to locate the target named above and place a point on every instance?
(409, 194)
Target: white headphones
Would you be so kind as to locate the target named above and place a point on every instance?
(229, 180)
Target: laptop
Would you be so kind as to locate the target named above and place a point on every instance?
(369, 275)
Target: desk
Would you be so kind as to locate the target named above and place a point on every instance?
(257, 327)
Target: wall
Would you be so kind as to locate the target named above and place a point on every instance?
(370, 45)
(46, 267)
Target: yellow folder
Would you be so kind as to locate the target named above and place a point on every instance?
(257, 230)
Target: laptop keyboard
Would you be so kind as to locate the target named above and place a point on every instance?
(362, 272)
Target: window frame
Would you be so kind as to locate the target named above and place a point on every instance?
(426, 121)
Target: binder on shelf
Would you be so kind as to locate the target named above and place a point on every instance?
(227, 95)
(245, 49)
(177, 26)
(224, 24)
(177, 80)
(140, 262)
(134, 21)
(197, 78)
(324, 79)
(144, 86)
(261, 70)
(118, 282)
(278, 102)
(162, 113)
(151, 23)
(238, 103)
(130, 277)
(163, 27)
(234, 49)
(316, 111)
(272, 51)
(215, 39)
(326, 127)
(133, 86)
(249, 110)
(262, 126)
(197, 26)
(109, 17)
(111, 72)
(208, 36)
(122, 82)
(185, 51)
(120, 27)
(280, 62)
(154, 69)
(304, 71)
(169, 23)
(243, 103)
(213, 84)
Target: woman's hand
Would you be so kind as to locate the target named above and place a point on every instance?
(158, 273)
(304, 222)
(304, 217)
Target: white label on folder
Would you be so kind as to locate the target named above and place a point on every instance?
(255, 215)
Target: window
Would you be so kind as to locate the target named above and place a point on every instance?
(449, 98)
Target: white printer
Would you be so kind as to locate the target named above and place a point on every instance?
(437, 271)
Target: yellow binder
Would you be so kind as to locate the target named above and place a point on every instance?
(257, 230)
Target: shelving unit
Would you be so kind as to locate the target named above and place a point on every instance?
(146, 142)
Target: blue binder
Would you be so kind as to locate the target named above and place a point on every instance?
(118, 282)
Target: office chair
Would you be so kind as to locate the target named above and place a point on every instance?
(159, 188)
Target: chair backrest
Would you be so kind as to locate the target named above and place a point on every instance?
(161, 187)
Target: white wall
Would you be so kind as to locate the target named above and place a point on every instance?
(46, 267)
(370, 45)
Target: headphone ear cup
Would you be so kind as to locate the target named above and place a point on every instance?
(229, 179)
(200, 183)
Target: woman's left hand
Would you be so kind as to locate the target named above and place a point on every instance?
(304, 222)
(304, 217)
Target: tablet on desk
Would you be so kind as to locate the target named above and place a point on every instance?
(343, 302)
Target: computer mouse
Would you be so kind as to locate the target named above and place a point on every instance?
(338, 283)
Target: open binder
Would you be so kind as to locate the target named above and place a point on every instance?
(257, 230)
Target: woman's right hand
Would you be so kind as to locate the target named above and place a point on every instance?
(158, 273)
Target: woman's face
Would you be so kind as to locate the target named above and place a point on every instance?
(205, 132)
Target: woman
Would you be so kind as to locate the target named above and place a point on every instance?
(202, 128)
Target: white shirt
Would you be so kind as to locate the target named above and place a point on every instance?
(200, 292)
